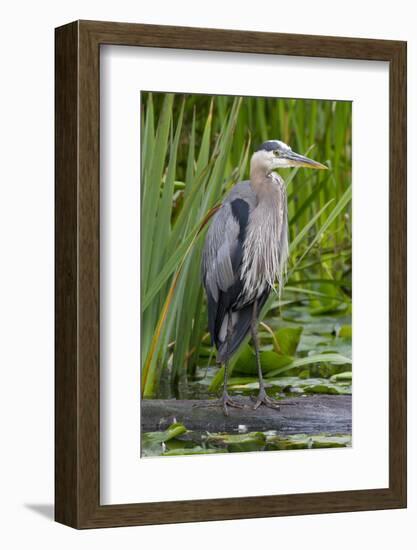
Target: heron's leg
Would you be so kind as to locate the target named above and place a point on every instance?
(225, 400)
(263, 398)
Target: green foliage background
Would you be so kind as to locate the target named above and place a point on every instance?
(194, 148)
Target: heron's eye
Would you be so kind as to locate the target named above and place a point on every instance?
(277, 153)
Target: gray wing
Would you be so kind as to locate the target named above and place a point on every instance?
(221, 248)
(219, 251)
(222, 256)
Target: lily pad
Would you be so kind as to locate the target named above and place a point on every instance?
(342, 377)
(288, 339)
(294, 384)
(278, 443)
(331, 389)
(345, 331)
(193, 451)
(328, 441)
(158, 437)
(334, 307)
(246, 362)
(153, 442)
(303, 441)
(311, 359)
(251, 441)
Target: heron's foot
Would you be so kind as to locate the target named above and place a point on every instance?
(264, 399)
(224, 401)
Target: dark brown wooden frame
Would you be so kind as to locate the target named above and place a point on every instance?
(77, 406)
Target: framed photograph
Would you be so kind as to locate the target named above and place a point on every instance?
(230, 274)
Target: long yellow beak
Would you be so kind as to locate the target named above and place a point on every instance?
(299, 160)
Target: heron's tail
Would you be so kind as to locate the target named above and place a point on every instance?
(241, 326)
(241, 319)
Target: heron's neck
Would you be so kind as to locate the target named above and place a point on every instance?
(265, 184)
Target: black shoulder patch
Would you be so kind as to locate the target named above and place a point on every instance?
(240, 210)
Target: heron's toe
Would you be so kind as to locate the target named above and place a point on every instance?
(264, 399)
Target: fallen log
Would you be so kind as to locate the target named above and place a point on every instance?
(330, 414)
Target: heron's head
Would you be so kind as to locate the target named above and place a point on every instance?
(273, 154)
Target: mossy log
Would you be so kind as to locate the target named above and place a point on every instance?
(330, 414)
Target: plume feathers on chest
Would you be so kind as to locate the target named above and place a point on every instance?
(266, 243)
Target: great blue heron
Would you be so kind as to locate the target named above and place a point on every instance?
(245, 253)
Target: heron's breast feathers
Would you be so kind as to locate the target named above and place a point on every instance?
(265, 249)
